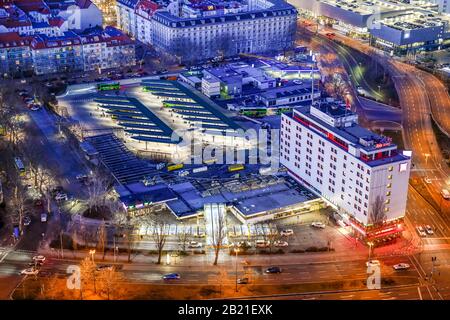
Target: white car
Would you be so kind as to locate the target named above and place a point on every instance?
(61, 196)
(401, 266)
(26, 221)
(373, 263)
(428, 180)
(429, 230)
(318, 225)
(280, 243)
(287, 232)
(421, 231)
(39, 258)
(30, 271)
(43, 217)
(262, 244)
(195, 244)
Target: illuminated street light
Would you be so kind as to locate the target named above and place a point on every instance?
(370, 250)
(236, 250)
(92, 253)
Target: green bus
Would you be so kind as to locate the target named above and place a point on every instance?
(254, 112)
(108, 86)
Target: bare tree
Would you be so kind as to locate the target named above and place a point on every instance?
(109, 282)
(19, 205)
(377, 215)
(159, 235)
(98, 190)
(218, 236)
(125, 228)
(102, 239)
(183, 239)
(88, 270)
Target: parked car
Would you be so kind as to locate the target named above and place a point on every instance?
(81, 177)
(262, 244)
(280, 243)
(171, 276)
(401, 266)
(273, 270)
(318, 224)
(195, 244)
(26, 221)
(61, 196)
(287, 232)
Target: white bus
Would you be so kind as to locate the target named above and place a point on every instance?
(19, 166)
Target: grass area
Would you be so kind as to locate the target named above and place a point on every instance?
(443, 142)
(55, 288)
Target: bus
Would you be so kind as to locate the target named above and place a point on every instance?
(19, 166)
(172, 166)
(235, 167)
(108, 86)
(256, 113)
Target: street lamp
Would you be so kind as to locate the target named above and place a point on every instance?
(426, 155)
(236, 250)
(370, 249)
(92, 253)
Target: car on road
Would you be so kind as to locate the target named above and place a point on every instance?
(428, 180)
(373, 263)
(44, 217)
(171, 276)
(30, 271)
(401, 266)
(28, 100)
(421, 231)
(243, 281)
(318, 225)
(273, 270)
(195, 244)
(280, 243)
(287, 232)
(445, 194)
(39, 258)
(61, 196)
(26, 221)
(429, 230)
(105, 267)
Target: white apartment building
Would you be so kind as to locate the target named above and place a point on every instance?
(360, 173)
(258, 26)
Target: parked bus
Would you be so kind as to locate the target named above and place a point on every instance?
(108, 86)
(235, 167)
(172, 166)
(19, 166)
